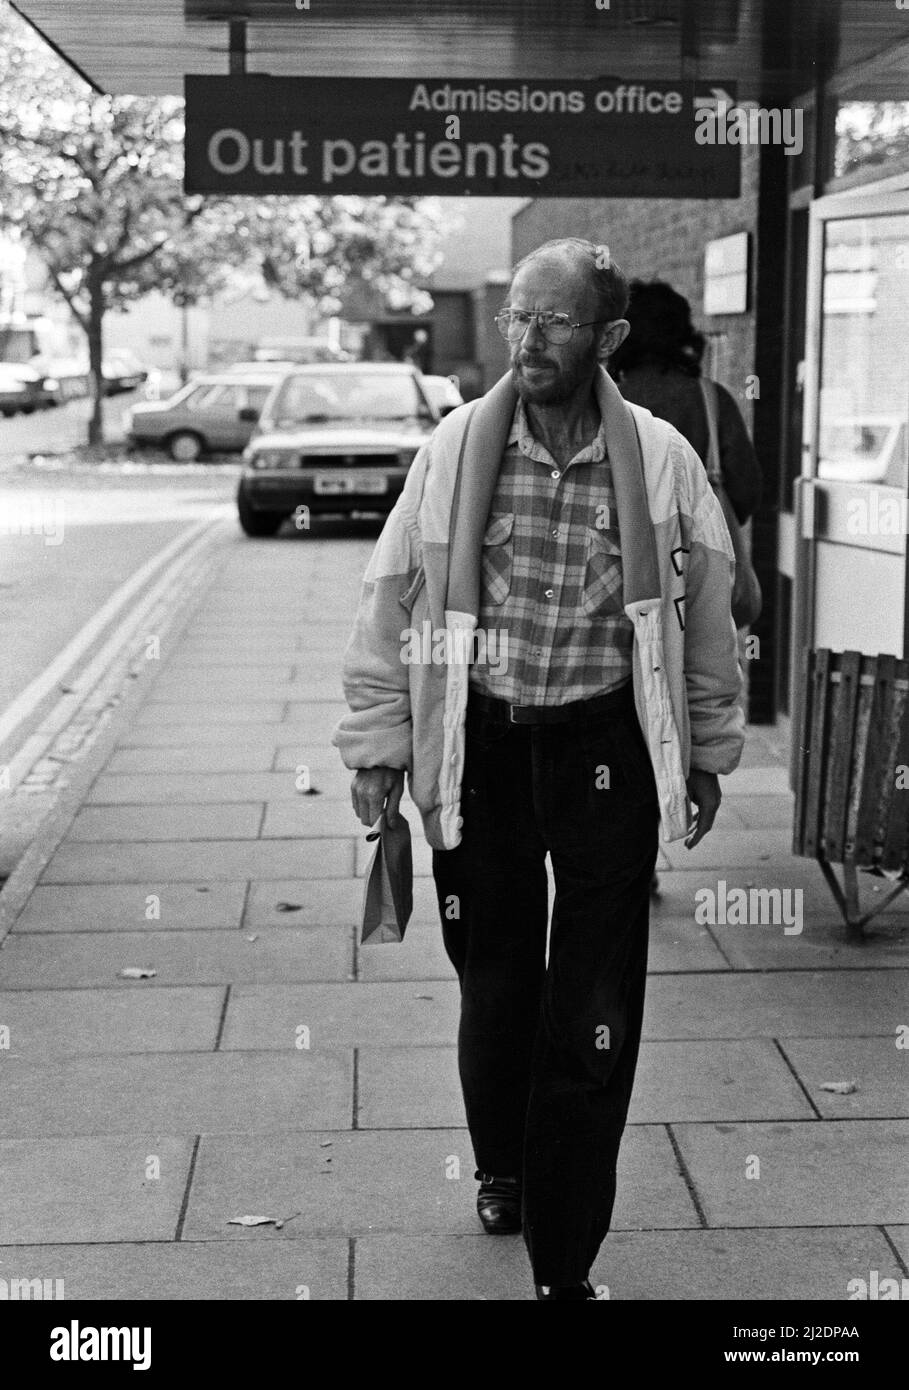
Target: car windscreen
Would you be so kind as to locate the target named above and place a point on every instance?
(317, 397)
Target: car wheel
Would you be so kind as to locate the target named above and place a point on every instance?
(184, 447)
(257, 523)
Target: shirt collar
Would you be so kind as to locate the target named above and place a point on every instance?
(520, 434)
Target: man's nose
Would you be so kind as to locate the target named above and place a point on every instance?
(533, 333)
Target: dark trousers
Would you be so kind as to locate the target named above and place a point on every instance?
(547, 1052)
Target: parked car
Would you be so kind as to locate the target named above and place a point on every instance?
(333, 437)
(443, 393)
(864, 449)
(23, 388)
(215, 412)
(122, 371)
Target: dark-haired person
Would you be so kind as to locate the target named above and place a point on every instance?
(583, 531)
(658, 367)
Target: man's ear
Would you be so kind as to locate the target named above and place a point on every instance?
(612, 335)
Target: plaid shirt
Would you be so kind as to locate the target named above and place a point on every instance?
(552, 578)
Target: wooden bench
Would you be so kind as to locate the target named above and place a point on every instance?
(852, 774)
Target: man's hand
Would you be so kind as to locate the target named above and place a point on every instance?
(368, 792)
(704, 790)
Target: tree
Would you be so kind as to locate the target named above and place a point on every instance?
(94, 183)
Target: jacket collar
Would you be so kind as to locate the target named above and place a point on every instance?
(486, 431)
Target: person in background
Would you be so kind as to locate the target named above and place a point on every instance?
(658, 367)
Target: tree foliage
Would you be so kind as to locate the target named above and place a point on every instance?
(94, 184)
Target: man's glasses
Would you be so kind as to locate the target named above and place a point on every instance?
(555, 328)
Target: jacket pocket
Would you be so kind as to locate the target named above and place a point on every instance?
(408, 598)
(498, 558)
(602, 594)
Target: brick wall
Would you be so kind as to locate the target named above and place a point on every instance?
(662, 240)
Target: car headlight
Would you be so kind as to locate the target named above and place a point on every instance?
(271, 458)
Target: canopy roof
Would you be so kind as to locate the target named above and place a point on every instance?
(770, 46)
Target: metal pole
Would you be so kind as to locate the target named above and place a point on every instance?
(236, 52)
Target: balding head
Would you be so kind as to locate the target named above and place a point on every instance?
(589, 262)
(578, 281)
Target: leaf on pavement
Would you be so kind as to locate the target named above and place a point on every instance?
(137, 972)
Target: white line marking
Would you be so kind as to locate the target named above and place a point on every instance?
(37, 690)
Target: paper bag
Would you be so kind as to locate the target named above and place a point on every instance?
(388, 894)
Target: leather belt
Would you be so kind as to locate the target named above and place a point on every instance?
(574, 712)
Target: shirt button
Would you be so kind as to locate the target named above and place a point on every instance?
(555, 531)
(550, 593)
(555, 473)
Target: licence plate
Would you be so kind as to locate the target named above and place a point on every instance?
(341, 484)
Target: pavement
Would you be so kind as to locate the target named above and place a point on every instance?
(272, 1068)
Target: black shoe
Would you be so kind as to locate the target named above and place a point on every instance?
(566, 1293)
(499, 1204)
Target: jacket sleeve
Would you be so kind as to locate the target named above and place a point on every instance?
(378, 730)
(713, 675)
(739, 465)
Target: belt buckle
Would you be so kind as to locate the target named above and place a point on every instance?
(511, 713)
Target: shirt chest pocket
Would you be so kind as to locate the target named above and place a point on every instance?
(498, 558)
(602, 593)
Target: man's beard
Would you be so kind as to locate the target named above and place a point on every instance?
(561, 385)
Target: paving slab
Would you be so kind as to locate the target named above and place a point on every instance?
(92, 1188)
(732, 848)
(178, 1093)
(820, 1173)
(310, 902)
(342, 1015)
(182, 862)
(393, 1181)
(219, 712)
(186, 759)
(168, 789)
(900, 1237)
(756, 781)
(64, 1022)
(756, 812)
(313, 734)
(742, 1265)
(420, 956)
(679, 944)
(797, 1004)
(208, 821)
(418, 1086)
(632, 1265)
(188, 1270)
(309, 816)
(208, 734)
(116, 907)
(877, 1067)
(187, 678)
(33, 961)
(226, 691)
(820, 946)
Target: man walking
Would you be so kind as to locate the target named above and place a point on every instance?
(572, 544)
